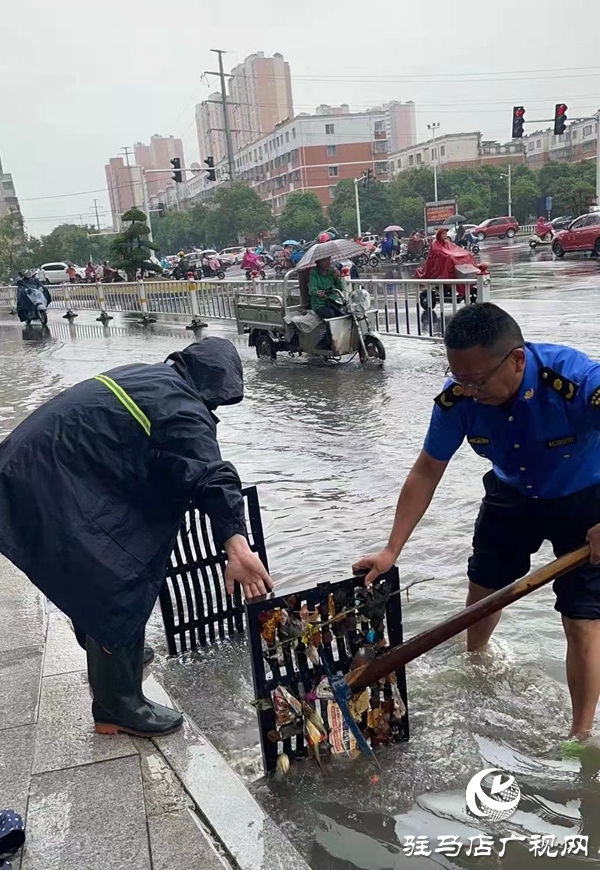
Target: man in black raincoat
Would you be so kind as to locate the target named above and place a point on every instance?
(94, 485)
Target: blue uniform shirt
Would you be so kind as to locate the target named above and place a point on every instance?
(546, 441)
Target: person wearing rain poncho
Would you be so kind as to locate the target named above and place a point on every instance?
(31, 295)
(94, 486)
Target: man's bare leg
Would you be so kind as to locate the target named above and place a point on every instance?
(583, 671)
(479, 634)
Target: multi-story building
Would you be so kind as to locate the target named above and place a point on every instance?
(212, 141)
(125, 189)
(578, 142)
(401, 124)
(454, 151)
(261, 93)
(312, 152)
(156, 155)
(8, 197)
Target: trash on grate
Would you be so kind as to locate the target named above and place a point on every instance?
(349, 624)
(195, 607)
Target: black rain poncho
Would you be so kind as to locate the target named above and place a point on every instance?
(93, 489)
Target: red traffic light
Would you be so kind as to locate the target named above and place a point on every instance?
(519, 112)
(561, 109)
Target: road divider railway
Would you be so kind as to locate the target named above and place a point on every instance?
(404, 307)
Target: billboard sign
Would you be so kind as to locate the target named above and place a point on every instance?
(437, 212)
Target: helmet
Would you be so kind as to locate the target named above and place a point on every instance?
(324, 237)
(181, 254)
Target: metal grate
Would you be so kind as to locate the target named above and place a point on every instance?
(288, 665)
(195, 607)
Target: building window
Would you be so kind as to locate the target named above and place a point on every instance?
(381, 146)
(293, 132)
(260, 152)
(589, 146)
(381, 167)
(332, 150)
(538, 145)
(434, 153)
(379, 126)
(329, 129)
(442, 150)
(574, 134)
(399, 164)
(419, 159)
(587, 130)
(334, 171)
(332, 192)
(530, 146)
(411, 160)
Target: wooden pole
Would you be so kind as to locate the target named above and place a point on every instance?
(401, 655)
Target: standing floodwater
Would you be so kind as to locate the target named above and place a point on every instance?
(328, 447)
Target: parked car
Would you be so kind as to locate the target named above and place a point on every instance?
(56, 273)
(499, 228)
(581, 235)
(561, 223)
(235, 255)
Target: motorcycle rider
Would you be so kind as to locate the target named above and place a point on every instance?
(324, 283)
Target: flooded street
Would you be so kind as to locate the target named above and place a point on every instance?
(328, 447)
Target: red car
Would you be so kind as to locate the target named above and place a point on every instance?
(582, 235)
(501, 228)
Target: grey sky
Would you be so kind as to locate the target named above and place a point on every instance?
(80, 80)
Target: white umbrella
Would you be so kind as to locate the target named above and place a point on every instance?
(338, 249)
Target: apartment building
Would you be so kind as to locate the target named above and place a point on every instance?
(210, 130)
(578, 142)
(125, 189)
(454, 151)
(8, 196)
(313, 152)
(156, 155)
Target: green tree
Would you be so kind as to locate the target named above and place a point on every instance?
(524, 199)
(472, 206)
(73, 243)
(302, 216)
(409, 212)
(132, 249)
(179, 230)
(15, 247)
(237, 213)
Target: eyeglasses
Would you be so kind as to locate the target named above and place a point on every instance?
(479, 385)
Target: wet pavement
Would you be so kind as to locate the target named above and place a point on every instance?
(328, 447)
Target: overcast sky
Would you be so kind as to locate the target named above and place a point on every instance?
(79, 81)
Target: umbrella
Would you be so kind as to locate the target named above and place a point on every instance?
(290, 242)
(455, 219)
(394, 228)
(339, 249)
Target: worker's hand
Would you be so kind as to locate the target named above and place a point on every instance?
(375, 564)
(593, 539)
(244, 567)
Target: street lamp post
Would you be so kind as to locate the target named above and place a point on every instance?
(357, 201)
(509, 176)
(433, 127)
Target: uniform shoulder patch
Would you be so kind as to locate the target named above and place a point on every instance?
(559, 383)
(450, 397)
(595, 398)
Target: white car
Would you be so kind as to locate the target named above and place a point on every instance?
(468, 229)
(56, 273)
(235, 255)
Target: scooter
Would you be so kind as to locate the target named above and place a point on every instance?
(543, 235)
(212, 269)
(32, 301)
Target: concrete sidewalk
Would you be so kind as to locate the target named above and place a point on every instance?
(93, 802)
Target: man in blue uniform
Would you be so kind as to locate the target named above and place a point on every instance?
(533, 410)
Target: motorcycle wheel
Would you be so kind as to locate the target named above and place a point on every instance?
(375, 347)
(424, 301)
(43, 315)
(533, 243)
(248, 275)
(374, 262)
(262, 274)
(474, 249)
(220, 274)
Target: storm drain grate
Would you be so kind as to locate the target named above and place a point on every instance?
(195, 607)
(373, 624)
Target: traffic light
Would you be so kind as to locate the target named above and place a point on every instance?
(367, 177)
(560, 118)
(211, 175)
(518, 122)
(176, 164)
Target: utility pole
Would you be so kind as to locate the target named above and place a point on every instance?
(357, 201)
(509, 176)
(146, 203)
(126, 151)
(226, 124)
(97, 215)
(433, 127)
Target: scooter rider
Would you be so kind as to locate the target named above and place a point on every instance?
(94, 486)
(32, 296)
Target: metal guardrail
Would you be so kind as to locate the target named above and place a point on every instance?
(406, 307)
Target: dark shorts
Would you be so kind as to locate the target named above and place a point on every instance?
(510, 527)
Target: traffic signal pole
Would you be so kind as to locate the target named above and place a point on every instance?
(357, 201)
